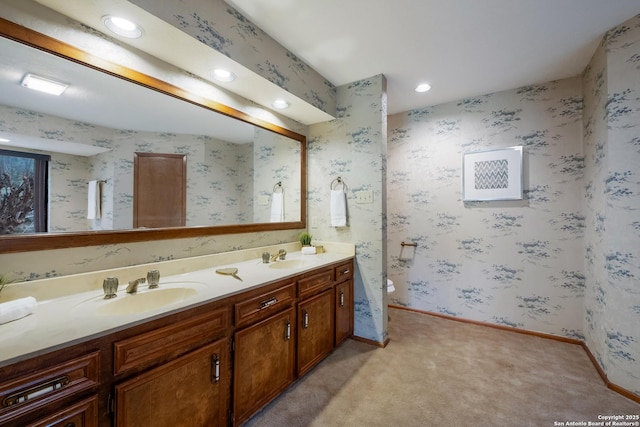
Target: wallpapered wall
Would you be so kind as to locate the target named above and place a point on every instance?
(511, 263)
(276, 160)
(563, 260)
(221, 27)
(219, 174)
(34, 265)
(353, 147)
(612, 204)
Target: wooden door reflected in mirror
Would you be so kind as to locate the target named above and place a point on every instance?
(159, 190)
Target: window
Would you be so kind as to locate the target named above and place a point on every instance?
(23, 192)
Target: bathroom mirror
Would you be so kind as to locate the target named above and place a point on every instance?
(235, 162)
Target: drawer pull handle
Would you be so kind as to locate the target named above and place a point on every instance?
(347, 271)
(215, 369)
(268, 303)
(341, 298)
(305, 319)
(35, 391)
(287, 331)
(70, 425)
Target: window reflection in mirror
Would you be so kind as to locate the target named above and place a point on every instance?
(23, 192)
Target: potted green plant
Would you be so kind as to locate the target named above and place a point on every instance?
(4, 280)
(305, 239)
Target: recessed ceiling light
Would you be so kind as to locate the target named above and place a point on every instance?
(43, 84)
(423, 87)
(123, 27)
(280, 104)
(223, 75)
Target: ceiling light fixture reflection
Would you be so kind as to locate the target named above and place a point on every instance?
(223, 75)
(43, 84)
(122, 27)
(423, 87)
(280, 104)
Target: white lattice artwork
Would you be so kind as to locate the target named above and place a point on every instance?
(492, 175)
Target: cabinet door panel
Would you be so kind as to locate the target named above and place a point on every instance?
(315, 330)
(263, 363)
(192, 390)
(344, 311)
(82, 414)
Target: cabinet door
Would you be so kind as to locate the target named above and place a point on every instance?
(82, 414)
(263, 363)
(344, 311)
(315, 330)
(192, 390)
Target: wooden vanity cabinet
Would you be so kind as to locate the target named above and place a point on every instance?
(315, 329)
(214, 364)
(344, 302)
(264, 363)
(48, 390)
(81, 414)
(189, 380)
(192, 390)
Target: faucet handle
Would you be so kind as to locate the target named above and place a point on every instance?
(153, 278)
(110, 287)
(282, 254)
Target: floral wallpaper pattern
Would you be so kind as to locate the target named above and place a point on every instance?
(50, 263)
(612, 204)
(563, 260)
(353, 147)
(513, 263)
(218, 25)
(223, 179)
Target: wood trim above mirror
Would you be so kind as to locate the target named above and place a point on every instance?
(37, 242)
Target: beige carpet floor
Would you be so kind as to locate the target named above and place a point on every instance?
(439, 372)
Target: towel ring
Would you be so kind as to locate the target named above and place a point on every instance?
(338, 180)
(278, 185)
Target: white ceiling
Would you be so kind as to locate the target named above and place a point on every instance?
(100, 99)
(463, 48)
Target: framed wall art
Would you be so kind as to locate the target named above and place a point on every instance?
(492, 175)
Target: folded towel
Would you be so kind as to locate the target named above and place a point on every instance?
(277, 207)
(93, 200)
(338, 208)
(17, 309)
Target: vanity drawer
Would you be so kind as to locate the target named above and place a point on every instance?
(313, 284)
(262, 306)
(344, 271)
(163, 344)
(33, 391)
(82, 414)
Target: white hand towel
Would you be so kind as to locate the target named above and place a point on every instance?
(17, 309)
(338, 208)
(277, 207)
(93, 200)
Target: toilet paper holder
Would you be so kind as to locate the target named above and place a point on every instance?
(414, 244)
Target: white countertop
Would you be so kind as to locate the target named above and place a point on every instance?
(70, 309)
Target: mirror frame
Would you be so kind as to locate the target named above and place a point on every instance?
(45, 241)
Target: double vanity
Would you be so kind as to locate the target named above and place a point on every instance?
(202, 349)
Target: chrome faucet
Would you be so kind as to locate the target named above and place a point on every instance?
(132, 288)
(153, 277)
(110, 287)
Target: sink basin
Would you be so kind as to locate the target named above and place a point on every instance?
(147, 301)
(288, 264)
(142, 301)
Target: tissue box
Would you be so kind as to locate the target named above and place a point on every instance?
(308, 250)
